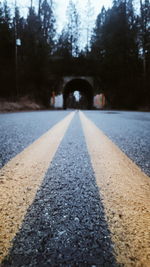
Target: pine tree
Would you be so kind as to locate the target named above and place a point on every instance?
(6, 51)
(73, 28)
(96, 39)
(89, 23)
(145, 33)
(114, 43)
(48, 23)
(144, 46)
(64, 46)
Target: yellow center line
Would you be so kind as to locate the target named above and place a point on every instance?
(20, 179)
(125, 192)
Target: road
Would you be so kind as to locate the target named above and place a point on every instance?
(71, 191)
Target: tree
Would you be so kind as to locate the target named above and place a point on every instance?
(64, 46)
(6, 52)
(114, 43)
(89, 23)
(37, 44)
(96, 38)
(73, 28)
(29, 63)
(144, 33)
(48, 23)
(144, 45)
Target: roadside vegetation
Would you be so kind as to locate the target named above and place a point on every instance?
(119, 46)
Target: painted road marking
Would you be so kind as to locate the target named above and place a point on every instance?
(125, 192)
(20, 179)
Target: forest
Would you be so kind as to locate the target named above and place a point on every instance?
(119, 46)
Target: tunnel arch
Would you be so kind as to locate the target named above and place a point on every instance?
(81, 85)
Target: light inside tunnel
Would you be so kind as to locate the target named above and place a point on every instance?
(78, 94)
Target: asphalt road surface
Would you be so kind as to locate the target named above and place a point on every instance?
(18, 130)
(70, 197)
(129, 130)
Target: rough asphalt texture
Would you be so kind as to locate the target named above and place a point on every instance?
(65, 226)
(129, 130)
(18, 130)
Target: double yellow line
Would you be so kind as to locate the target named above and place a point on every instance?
(125, 190)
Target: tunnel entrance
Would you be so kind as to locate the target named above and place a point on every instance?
(78, 94)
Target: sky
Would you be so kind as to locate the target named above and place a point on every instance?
(61, 5)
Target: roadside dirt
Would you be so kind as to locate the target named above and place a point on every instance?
(24, 103)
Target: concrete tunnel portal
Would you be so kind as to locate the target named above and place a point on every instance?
(86, 94)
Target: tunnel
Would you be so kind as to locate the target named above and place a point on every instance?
(85, 94)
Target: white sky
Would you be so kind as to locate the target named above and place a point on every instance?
(60, 12)
(61, 5)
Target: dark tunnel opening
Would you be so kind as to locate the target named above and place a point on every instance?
(78, 94)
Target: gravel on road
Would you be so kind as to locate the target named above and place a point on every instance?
(65, 225)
